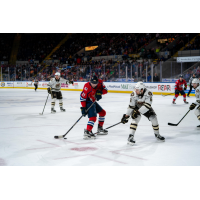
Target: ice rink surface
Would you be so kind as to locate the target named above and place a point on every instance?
(27, 138)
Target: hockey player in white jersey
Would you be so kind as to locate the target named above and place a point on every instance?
(140, 103)
(196, 86)
(54, 87)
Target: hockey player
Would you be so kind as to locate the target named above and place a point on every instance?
(140, 103)
(179, 89)
(196, 86)
(190, 83)
(36, 84)
(54, 87)
(92, 91)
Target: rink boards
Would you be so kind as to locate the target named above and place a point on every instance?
(115, 87)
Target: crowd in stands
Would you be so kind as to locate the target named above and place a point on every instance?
(195, 45)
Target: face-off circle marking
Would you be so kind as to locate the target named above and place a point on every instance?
(84, 149)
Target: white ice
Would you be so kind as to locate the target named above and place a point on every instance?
(27, 138)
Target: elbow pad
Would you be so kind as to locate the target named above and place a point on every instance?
(145, 108)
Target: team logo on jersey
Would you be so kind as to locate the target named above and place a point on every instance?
(197, 90)
(132, 94)
(86, 88)
(57, 85)
(150, 93)
(83, 94)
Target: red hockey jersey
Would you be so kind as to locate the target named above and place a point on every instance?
(179, 85)
(88, 93)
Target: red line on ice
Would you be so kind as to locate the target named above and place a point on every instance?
(72, 156)
(49, 143)
(91, 155)
(108, 159)
(130, 156)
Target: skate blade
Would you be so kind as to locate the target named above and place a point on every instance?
(53, 112)
(89, 138)
(102, 133)
(160, 140)
(131, 143)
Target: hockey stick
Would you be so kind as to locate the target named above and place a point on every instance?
(62, 136)
(166, 94)
(170, 124)
(44, 105)
(112, 126)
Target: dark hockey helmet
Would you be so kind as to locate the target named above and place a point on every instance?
(94, 80)
(181, 76)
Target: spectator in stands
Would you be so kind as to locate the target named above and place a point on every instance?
(149, 78)
(187, 76)
(155, 78)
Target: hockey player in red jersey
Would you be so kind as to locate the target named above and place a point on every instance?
(92, 91)
(179, 89)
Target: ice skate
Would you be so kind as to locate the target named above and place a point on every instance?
(185, 102)
(131, 140)
(159, 137)
(198, 126)
(101, 131)
(62, 109)
(88, 135)
(173, 102)
(53, 111)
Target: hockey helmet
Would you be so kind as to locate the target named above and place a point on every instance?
(57, 74)
(94, 80)
(139, 85)
(181, 76)
(195, 80)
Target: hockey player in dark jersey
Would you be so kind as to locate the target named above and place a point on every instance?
(36, 84)
(92, 91)
(179, 89)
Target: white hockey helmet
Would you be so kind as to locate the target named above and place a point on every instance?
(139, 86)
(196, 80)
(57, 74)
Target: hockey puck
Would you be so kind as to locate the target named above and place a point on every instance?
(56, 137)
(65, 138)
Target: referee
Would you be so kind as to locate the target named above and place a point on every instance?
(190, 82)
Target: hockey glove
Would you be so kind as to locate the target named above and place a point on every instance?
(71, 82)
(49, 90)
(192, 106)
(124, 119)
(185, 88)
(134, 114)
(98, 95)
(83, 111)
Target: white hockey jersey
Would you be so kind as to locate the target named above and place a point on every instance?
(55, 85)
(140, 102)
(197, 95)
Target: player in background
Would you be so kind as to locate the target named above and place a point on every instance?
(179, 89)
(36, 84)
(54, 87)
(190, 83)
(196, 86)
(140, 103)
(92, 91)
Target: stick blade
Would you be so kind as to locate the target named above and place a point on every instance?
(170, 124)
(40, 113)
(57, 136)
